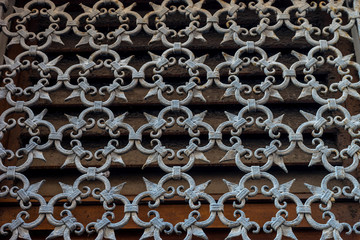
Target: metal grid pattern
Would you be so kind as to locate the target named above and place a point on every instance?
(176, 99)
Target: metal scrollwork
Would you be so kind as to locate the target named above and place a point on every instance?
(226, 76)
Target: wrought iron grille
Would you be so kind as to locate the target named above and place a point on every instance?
(105, 80)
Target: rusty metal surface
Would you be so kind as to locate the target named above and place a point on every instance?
(176, 99)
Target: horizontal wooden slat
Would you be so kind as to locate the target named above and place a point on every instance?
(175, 212)
(213, 234)
(135, 183)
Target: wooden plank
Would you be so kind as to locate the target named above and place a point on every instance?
(133, 177)
(136, 96)
(213, 234)
(175, 212)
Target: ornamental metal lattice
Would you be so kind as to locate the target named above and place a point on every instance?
(175, 100)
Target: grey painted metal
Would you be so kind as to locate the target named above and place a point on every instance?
(66, 224)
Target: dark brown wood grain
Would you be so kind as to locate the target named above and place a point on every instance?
(260, 208)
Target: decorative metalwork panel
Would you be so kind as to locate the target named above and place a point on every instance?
(99, 101)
